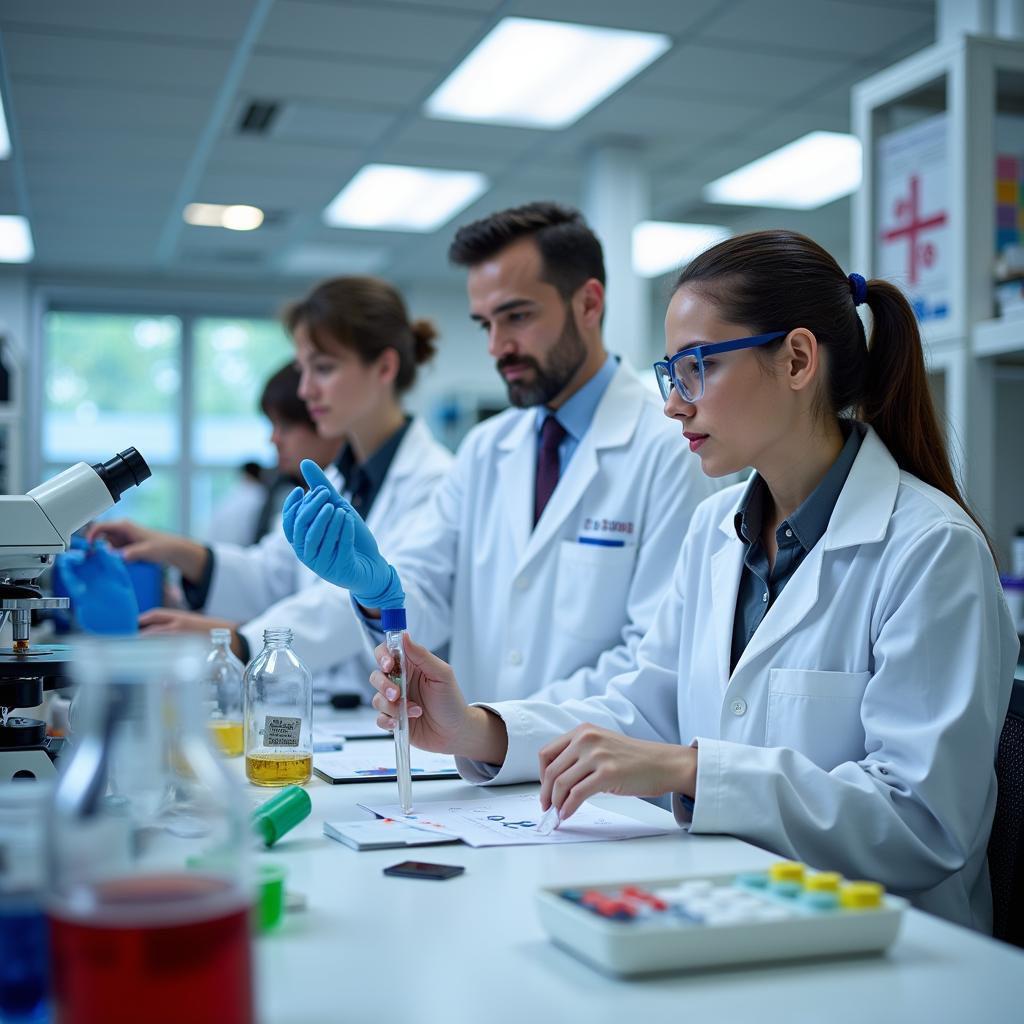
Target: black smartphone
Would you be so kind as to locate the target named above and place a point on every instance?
(421, 869)
(345, 701)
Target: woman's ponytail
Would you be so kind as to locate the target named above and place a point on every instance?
(896, 400)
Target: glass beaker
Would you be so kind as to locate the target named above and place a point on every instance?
(223, 694)
(278, 714)
(135, 934)
(24, 941)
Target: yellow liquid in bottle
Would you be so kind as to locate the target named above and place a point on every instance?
(228, 736)
(278, 769)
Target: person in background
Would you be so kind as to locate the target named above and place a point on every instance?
(293, 434)
(829, 672)
(543, 554)
(357, 354)
(233, 519)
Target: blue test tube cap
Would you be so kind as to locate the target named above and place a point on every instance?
(392, 619)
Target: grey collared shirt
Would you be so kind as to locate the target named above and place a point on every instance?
(759, 585)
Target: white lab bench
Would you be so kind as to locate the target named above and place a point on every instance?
(372, 949)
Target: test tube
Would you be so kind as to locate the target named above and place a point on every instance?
(393, 622)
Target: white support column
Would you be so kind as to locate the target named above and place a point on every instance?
(1010, 19)
(616, 198)
(964, 17)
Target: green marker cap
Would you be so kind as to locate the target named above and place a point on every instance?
(281, 814)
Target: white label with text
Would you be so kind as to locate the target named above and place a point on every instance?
(281, 732)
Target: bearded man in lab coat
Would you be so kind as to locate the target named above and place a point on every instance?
(542, 555)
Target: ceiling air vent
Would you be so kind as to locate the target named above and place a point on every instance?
(257, 118)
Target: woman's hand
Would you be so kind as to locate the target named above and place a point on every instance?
(136, 543)
(439, 717)
(591, 760)
(141, 544)
(177, 620)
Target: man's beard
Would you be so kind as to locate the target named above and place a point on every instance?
(566, 357)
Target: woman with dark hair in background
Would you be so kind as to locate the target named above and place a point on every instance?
(357, 354)
(253, 507)
(829, 671)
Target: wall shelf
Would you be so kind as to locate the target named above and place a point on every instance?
(974, 81)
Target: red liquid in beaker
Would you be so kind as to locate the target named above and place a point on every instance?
(162, 949)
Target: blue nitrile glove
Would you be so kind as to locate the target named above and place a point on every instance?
(101, 592)
(330, 537)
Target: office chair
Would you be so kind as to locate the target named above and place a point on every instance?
(1006, 845)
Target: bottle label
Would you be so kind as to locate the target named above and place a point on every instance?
(281, 732)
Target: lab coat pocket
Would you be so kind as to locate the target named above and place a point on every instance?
(817, 714)
(586, 572)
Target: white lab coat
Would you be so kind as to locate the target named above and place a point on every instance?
(532, 609)
(859, 728)
(266, 585)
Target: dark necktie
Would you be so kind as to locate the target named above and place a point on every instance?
(552, 433)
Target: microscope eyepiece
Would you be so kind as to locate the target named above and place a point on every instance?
(124, 470)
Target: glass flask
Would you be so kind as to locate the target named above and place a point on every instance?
(24, 941)
(223, 694)
(278, 714)
(147, 843)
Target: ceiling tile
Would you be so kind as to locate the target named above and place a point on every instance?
(814, 26)
(96, 111)
(373, 83)
(668, 16)
(427, 37)
(481, 6)
(719, 72)
(329, 124)
(196, 19)
(138, 66)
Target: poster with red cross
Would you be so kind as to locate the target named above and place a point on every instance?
(912, 239)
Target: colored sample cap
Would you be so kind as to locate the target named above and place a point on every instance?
(270, 898)
(824, 881)
(281, 814)
(861, 895)
(392, 619)
(786, 871)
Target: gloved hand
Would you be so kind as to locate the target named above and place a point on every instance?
(330, 537)
(100, 589)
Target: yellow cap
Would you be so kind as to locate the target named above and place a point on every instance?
(861, 895)
(786, 871)
(823, 881)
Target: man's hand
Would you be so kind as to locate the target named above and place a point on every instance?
(439, 718)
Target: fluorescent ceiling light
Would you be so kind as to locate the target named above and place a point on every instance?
(5, 138)
(660, 246)
(213, 215)
(387, 197)
(804, 175)
(542, 74)
(15, 240)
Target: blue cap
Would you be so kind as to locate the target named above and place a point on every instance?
(392, 619)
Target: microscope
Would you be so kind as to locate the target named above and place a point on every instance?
(34, 528)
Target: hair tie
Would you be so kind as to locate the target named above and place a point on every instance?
(858, 288)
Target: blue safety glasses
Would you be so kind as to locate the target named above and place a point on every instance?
(686, 368)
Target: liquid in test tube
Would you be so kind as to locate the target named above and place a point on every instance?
(393, 622)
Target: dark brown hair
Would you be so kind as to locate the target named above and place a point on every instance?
(570, 251)
(366, 315)
(280, 399)
(781, 280)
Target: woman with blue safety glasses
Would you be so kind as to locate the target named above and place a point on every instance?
(686, 368)
(829, 671)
